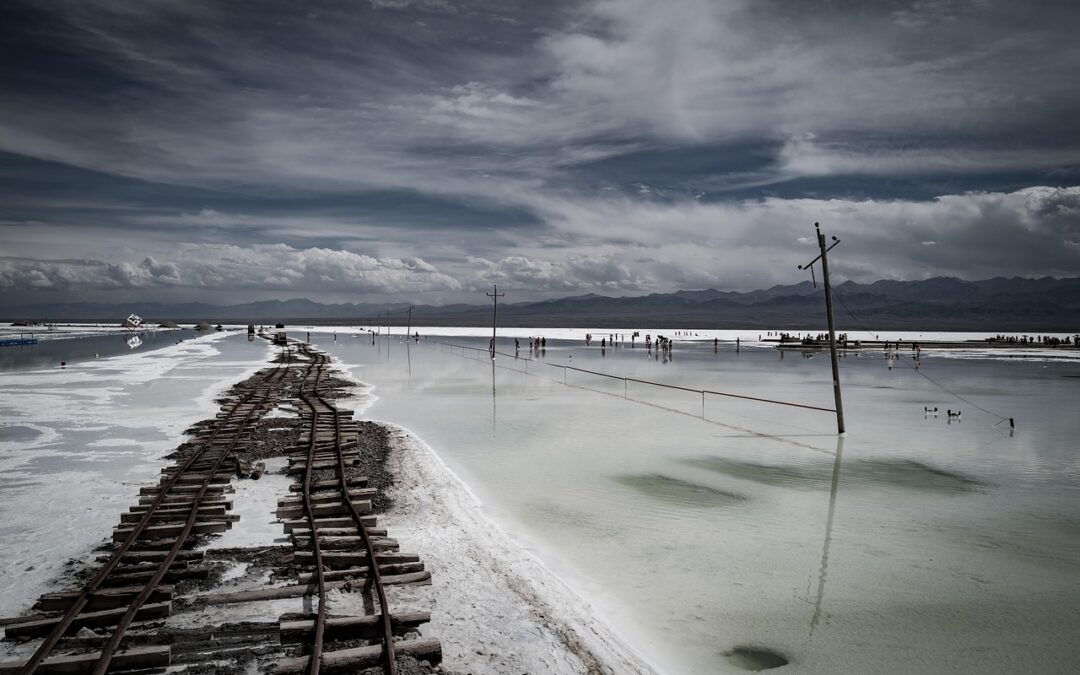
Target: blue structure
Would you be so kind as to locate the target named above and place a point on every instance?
(19, 341)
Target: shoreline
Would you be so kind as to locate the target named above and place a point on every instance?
(495, 607)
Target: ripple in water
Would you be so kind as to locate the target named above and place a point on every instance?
(902, 474)
(678, 491)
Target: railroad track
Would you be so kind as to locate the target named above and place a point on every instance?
(151, 548)
(335, 538)
(334, 543)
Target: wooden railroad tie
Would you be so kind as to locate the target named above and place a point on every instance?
(136, 658)
(351, 660)
(290, 525)
(350, 627)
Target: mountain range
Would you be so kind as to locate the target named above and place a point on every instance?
(942, 303)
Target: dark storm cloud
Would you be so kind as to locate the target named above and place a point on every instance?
(549, 146)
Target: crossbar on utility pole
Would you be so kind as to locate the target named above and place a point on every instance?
(823, 256)
(494, 315)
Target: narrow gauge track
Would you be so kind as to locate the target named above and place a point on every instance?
(327, 451)
(176, 509)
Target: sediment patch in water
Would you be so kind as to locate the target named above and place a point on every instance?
(678, 491)
(754, 658)
(899, 473)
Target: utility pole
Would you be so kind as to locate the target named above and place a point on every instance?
(823, 256)
(408, 330)
(494, 314)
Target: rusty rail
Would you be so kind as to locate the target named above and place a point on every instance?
(58, 632)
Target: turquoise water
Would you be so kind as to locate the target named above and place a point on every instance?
(914, 544)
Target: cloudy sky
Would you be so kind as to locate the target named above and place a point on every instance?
(422, 150)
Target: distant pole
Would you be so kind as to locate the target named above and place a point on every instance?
(494, 315)
(823, 256)
(408, 331)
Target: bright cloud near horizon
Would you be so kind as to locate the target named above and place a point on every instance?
(422, 150)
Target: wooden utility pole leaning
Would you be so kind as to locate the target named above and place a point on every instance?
(494, 314)
(823, 256)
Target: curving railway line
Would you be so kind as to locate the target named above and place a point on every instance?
(150, 546)
(337, 534)
(334, 543)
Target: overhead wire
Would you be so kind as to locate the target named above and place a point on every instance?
(1001, 418)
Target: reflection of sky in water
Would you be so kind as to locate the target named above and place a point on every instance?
(933, 546)
(49, 353)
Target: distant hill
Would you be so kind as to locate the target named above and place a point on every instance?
(942, 303)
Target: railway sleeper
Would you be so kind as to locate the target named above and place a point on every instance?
(329, 484)
(339, 559)
(204, 505)
(300, 590)
(136, 557)
(338, 531)
(353, 542)
(221, 478)
(213, 489)
(171, 577)
(103, 598)
(135, 658)
(217, 497)
(328, 496)
(301, 467)
(101, 619)
(203, 463)
(338, 509)
(331, 458)
(320, 523)
(350, 627)
(179, 516)
(359, 573)
(351, 660)
(171, 529)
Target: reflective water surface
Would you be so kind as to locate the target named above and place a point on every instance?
(749, 534)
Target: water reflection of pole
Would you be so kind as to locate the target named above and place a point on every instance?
(493, 396)
(828, 534)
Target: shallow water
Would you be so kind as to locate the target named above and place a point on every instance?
(75, 443)
(717, 543)
(916, 543)
(51, 350)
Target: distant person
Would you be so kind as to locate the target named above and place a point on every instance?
(63, 364)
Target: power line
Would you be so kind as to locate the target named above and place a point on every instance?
(937, 384)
